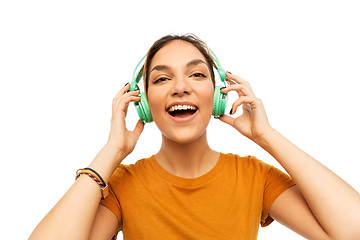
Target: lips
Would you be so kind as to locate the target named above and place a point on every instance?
(182, 111)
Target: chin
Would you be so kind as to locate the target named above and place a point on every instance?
(183, 133)
(184, 136)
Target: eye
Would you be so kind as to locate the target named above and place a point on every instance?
(198, 75)
(162, 79)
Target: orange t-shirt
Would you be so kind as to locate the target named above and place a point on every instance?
(228, 202)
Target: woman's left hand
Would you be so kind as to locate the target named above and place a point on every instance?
(253, 122)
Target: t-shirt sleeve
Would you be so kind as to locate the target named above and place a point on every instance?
(276, 183)
(112, 201)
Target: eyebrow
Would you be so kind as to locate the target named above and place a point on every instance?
(193, 62)
(160, 68)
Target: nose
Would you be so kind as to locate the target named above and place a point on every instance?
(180, 87)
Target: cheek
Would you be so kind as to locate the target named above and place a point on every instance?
(207, 98)
(155, 100)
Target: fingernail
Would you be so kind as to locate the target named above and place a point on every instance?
(228, 72)
(126, 84)
(231, 111)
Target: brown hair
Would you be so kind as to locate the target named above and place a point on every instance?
(191, 38)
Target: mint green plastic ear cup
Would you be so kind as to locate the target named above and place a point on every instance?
(142, 106)
(220, 100)
(143, 109)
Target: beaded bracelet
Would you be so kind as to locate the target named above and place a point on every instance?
(97, 178)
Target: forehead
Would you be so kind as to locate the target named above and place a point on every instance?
(175, 53)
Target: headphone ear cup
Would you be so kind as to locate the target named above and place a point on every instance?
(143, 109)
(220, 100)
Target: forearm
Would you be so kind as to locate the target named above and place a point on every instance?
(73, 216)
(334, 203)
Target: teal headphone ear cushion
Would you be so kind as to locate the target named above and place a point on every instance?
(220, 100)
(143, 109)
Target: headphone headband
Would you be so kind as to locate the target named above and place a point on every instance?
(218, 67)
(136, 75)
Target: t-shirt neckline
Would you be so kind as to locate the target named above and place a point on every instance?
(187, 182)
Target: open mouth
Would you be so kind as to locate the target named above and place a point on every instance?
(182, 111)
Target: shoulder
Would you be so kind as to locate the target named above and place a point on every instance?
(248, 162)
(249, 167)
(125, 170)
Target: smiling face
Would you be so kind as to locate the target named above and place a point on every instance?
(180, 91)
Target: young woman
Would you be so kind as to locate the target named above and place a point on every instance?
(187, 190)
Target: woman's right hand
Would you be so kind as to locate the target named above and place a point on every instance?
(120, 137)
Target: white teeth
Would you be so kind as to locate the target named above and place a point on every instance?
(181, 107)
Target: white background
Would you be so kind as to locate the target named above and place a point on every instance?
(62, 62)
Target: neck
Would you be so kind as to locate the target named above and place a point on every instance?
(189, 160)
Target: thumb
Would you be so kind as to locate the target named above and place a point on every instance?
(138, 128)
(226, 119)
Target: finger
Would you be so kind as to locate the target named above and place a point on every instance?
(237, 79)
(123, 90)
(120, 108)
(244, 100)
(119, 98)
(139, 128)
(226, 119)
(123, 93)
(240, 88)
(231, 82)
(124, 102)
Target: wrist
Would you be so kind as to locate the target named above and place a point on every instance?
(106, 161)
(265, 139)
(117, 154)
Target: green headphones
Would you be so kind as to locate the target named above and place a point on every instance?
(142, 106)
